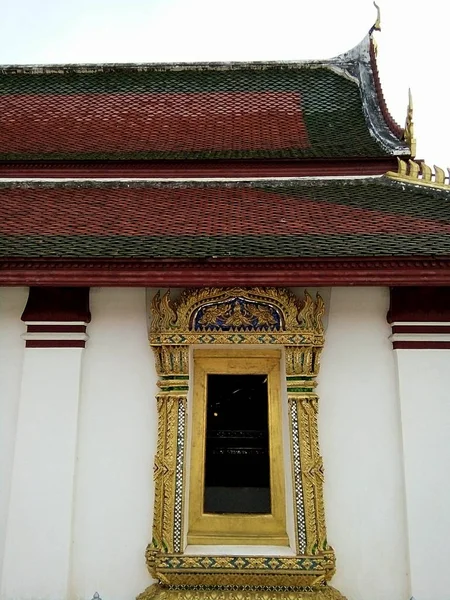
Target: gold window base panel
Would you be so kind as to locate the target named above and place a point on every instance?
(159, 592)
(243, 571)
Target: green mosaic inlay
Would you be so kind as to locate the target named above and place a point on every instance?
(175, 388)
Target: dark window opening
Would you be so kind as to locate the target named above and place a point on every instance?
(237, 468)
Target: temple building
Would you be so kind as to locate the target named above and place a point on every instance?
(224, 335)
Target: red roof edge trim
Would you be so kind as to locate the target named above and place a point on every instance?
(421, 271)
(391, 123)
(195, 168)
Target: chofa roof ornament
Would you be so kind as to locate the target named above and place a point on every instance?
(377, 25)
(408, 133)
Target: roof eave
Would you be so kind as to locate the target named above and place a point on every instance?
(362, 271)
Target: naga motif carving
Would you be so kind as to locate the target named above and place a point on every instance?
(420, 173)
(232, 316)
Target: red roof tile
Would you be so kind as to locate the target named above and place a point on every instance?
(191, 122)
(193, 211)
(327, 109)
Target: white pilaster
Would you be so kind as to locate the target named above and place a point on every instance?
(117, 444)
(12, 302)
(37, 552)
(420, 320)
(39, 528)
(424, 386)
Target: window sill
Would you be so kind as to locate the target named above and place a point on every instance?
(208, 550)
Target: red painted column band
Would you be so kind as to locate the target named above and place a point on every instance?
(56, 317)
(420, 318)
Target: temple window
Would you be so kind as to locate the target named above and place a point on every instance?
(238, 472)
(237, 488)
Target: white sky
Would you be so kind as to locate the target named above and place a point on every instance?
(414, 44)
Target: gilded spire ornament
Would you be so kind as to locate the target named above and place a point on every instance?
(408, 134)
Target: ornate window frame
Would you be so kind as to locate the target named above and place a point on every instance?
(273, 317)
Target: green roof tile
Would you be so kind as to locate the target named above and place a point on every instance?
(364, 217)
(328, 109)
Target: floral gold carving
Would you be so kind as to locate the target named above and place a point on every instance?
(256, 311)
(164, 471)
(312, 475)
(157, 592)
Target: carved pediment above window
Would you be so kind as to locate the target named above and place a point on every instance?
(275, 313)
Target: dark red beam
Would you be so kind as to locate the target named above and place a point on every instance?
(198, 168)
(167, 273)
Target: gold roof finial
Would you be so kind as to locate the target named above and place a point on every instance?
(408, 134)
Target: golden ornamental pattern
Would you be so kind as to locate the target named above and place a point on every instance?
(312, 474)
(237, 310)
(157, 592)
(408, 134)
(165, 475)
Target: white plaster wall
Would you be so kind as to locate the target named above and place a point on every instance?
(424, 382)
(12, 303)
(360, 435)
(117, 442)
(39, 526)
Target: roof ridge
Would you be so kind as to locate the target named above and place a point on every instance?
(352, 55)
(159, 66)
(177, 183)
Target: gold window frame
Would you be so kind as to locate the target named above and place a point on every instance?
(238, 317)
(237, 529)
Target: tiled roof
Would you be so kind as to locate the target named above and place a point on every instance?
(176, 219)
(329, 109)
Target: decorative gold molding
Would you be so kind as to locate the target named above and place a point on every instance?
(312, 474)
(165, 472)
(258, 316)
(420, 173)
(157, 592)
